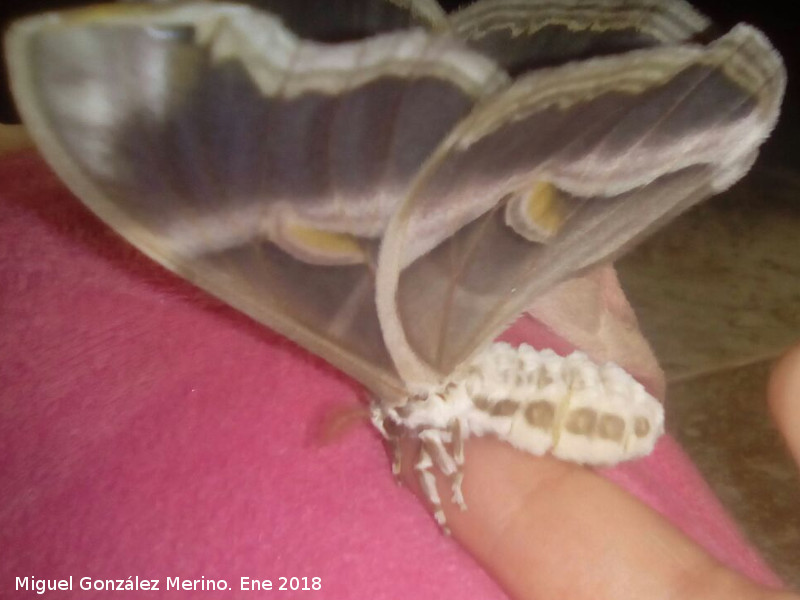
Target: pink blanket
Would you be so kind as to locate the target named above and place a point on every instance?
(148, 430)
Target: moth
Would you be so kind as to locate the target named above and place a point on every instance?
(390, 186)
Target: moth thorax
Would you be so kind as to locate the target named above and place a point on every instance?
(437, 407)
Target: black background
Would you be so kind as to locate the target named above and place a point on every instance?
(772, 17)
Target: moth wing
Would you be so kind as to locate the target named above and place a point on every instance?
(523, 35)
(259, 166)
(590, 311)
(566, 168)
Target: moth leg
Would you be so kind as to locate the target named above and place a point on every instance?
(458, 494)
(433, 443)
(378, 418)
(427, 481)
(457, 437)
(391, 433)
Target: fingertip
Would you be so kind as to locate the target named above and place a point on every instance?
(783, 396)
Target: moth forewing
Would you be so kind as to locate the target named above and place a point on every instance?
(259, 165)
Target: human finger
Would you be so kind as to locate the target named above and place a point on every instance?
(783, 395)
(547, 529)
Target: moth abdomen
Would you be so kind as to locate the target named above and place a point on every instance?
(541, 402)
(584, 412)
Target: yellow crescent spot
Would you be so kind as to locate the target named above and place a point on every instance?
(321, 247)
(545, 209)
(538, 213)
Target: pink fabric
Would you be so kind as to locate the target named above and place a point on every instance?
(147, 429)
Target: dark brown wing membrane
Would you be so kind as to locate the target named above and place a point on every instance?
(340, 20)
(624, 143)
(522, 35)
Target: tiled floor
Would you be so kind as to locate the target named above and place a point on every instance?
(718, 295)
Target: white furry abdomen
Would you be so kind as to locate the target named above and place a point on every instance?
(539, 401)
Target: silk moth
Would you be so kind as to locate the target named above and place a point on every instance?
(390, 185)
